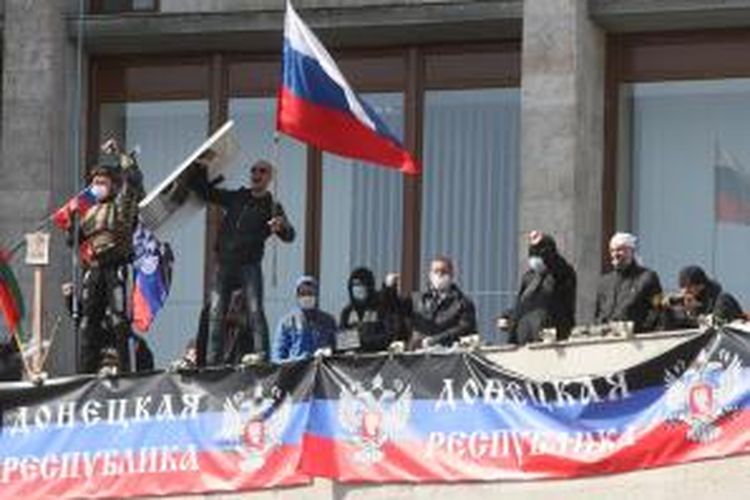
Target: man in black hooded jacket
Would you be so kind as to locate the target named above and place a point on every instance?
(364, 313)
(547, 296)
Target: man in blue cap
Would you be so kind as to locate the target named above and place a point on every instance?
(306, 329)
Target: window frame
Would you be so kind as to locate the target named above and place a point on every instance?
(428, 67)
(657, 57)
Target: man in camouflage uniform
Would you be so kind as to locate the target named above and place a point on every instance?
(106, 248)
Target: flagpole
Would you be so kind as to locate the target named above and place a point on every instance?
(715, 232)
(75, 264)
(275, 171)
(21, 241)
(22, 353)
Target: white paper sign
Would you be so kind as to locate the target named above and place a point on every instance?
(347, 340)
(37, 249)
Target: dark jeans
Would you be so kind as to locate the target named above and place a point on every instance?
(104, 323)
(249, 279)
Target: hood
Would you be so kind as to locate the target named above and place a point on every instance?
(546, 248)
(306, 280)
(363, 276)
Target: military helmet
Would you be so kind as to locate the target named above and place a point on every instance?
(105, 170)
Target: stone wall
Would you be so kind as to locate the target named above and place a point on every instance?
(562, 139)
(36, 170)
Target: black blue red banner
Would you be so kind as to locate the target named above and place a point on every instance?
(437, 418)
(228, 430)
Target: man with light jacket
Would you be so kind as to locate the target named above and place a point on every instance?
(306, 329)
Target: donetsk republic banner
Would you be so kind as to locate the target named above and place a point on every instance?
(223, 430)
(402, 418)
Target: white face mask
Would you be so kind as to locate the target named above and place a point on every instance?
(537, 264)
(99, 191)
(440, 281)
(307, 302)
(359, 292)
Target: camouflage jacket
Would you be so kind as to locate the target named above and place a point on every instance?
(107, 227)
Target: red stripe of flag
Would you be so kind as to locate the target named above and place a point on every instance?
(217, 471)
(82, 202)
(8, 306)
(413, 461)
(11, 300)
(339, 133)
(731, 209)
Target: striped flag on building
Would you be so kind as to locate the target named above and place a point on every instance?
(732, 189)
(11, 300)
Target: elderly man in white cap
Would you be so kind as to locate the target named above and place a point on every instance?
(630, 291)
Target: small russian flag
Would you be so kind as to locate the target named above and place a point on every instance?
(82, 202)
(316, 104)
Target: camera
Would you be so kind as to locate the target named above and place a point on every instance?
(675, 300)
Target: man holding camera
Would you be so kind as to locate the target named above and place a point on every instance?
(699, 297)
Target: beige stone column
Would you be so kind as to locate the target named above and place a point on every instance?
(36, 170)
(562, 140)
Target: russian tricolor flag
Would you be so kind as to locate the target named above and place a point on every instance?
(82, 202)
(316, 104)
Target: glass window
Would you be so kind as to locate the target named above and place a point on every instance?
(254, 122)
(362, 213)
(690, 158)
(166, 132)
(469, 207)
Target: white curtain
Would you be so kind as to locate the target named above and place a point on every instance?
(469, 208)
(362, 213)
(678, 132)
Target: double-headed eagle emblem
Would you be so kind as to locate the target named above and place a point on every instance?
(375, 416)
(705, 392)
(253, 425)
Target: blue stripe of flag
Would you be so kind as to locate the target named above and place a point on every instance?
(306, 78)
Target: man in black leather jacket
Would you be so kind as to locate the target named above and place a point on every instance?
(442, 314)
(251, 216)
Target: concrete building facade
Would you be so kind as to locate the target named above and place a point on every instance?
(576, 117)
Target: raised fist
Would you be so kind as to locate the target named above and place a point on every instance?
(110, 146)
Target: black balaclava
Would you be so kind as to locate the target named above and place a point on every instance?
(364, 277)
(546, 248)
